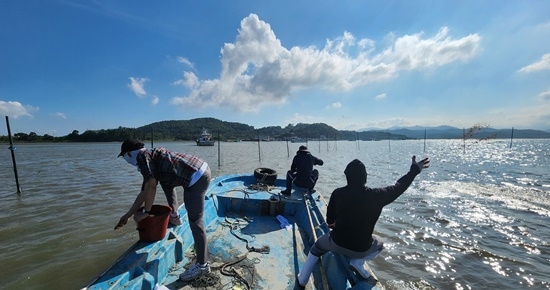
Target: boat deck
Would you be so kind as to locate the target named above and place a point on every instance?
(247, 244)
(233, 264)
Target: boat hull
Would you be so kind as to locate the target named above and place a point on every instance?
(245, 233)
(205, 143)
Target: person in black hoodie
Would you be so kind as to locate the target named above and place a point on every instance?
(352, 213)
(301, 171)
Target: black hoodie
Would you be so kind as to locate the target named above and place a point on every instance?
(355, 208)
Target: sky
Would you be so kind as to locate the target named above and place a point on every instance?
(70, 65)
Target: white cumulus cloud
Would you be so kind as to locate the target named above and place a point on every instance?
(186, 62)
(380, 97)
(542, 64)
(16, 109)
(59, 115)
(136, 85)
(257, 70)
(335, 105)
(155, 100)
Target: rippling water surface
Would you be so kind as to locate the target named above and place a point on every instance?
(479, 217)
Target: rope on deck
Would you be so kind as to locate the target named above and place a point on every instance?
(261, 187)
(206, 281)
(227, 269)
(233, 226)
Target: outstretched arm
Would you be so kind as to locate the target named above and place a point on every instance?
(149, 192)
(390, 193)
(147, 196)
(124, 219)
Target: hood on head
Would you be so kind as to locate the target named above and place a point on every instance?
(302, 148)
(356, 173)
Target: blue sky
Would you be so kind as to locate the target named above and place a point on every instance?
(86, 65)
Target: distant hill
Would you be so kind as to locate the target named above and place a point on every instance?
(221, 130)
(448, 132)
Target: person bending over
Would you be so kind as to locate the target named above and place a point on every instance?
(171, 169)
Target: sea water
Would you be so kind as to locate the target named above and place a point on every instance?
(478, 218)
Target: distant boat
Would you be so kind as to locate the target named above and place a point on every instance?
(205, 139)
(297, 140)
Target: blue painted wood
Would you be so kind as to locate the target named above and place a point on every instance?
(238, 200)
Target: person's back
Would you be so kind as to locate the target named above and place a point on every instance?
(303, 163)
(301, 171)
(355, 208)
(352, 213)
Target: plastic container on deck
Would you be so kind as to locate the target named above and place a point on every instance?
(153, 228)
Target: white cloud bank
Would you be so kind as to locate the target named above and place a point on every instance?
(16, 109)
(258, 70)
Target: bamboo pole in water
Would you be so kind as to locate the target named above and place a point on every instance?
(320, 143)
(219, 161)
(287, 149)
(389, 141)
(512, 138)
(424, 140)
(152, 136)
(464, 138)
(259, 155)
(12, 149)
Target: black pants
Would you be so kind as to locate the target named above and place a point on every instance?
(301, 181)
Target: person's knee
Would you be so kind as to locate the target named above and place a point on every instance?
(316, 251)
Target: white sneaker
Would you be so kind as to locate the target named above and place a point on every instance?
(359, 266)
(195, 272)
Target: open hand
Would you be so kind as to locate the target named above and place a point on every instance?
(424, 163)
(123, 220)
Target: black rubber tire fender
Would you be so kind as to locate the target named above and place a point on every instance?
(265, 175)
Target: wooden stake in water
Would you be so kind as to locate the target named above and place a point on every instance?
(464, 138)
(424, 140)
(152, 136)
(512, 138)
(12, 149)
(219, 161)
(287, 149)
(389, 142)
(259, 155)
(319, 142)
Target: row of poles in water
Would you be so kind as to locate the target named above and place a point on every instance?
(12, 148)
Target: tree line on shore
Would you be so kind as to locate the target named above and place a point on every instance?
(188, 130)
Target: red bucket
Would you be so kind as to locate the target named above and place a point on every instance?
(153, 228)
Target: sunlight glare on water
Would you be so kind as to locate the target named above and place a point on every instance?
(478, 218)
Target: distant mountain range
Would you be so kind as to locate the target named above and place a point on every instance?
(449, 132)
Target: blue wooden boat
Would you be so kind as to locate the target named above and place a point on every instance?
(258, 239)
